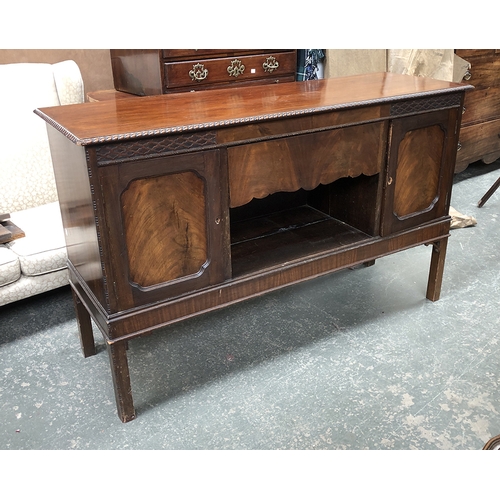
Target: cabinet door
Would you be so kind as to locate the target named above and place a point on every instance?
(420, 167)
(166, 222)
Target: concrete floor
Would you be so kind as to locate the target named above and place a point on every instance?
(358, 360)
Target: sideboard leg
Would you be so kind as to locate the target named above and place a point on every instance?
(84, 327)
(121, 381)
(437, 267)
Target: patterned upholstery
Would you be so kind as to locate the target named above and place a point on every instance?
(10, 267)
(43, 250)
(36, 263)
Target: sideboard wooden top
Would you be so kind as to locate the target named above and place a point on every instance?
(102, 122)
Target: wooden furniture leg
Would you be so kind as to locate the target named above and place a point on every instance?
(121, 380)
(84, 327)
(436, 270)
(488, 194)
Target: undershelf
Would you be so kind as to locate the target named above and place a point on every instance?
(275, 239)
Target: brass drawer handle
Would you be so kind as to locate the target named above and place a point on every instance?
(459, 146)
(270, 64)
(198, 73)
(236, 68)
(468, 75)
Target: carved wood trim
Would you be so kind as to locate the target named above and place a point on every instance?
(428, 104)
(152, 148)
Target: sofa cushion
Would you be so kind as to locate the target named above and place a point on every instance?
(43, 249)
(27, 286)
(10, 269)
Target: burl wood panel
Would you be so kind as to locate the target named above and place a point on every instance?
(420, 155)
(306, 161)
(165, 215)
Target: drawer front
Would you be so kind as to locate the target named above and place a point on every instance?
(484, 71)
(229, 70)
(187, 54)
(478, 142)
(481, 104)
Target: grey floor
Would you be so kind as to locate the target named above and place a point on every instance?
(352, 361)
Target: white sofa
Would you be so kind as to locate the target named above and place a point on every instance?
(37, 262)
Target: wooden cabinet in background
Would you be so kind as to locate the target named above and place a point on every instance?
(480, 132)
(166, 71)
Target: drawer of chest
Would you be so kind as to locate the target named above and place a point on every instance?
(479, 140)
(188, 54)
(229, 69)
(481, 104)
(484, 71)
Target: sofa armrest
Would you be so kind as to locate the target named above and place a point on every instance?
(69, 83)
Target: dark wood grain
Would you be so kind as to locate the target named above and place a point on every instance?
(304, 162)
(418, 166)
(158, 253)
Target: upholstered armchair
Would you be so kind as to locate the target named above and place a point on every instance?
(36, 262)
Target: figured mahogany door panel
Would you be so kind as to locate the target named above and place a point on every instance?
(175, 246)
(416, 182)
(167, 220)
(421, 160)
(304, 161)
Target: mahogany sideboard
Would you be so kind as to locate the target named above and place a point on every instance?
(178, 204)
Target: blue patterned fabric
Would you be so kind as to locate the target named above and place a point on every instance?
(308, 61)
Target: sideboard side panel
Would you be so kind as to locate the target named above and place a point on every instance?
(75, 188)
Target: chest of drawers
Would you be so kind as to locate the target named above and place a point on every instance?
(480, 133)
(165, 71)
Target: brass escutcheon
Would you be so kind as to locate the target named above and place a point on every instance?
(198, 73)
(236, 68)
(270, 64)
